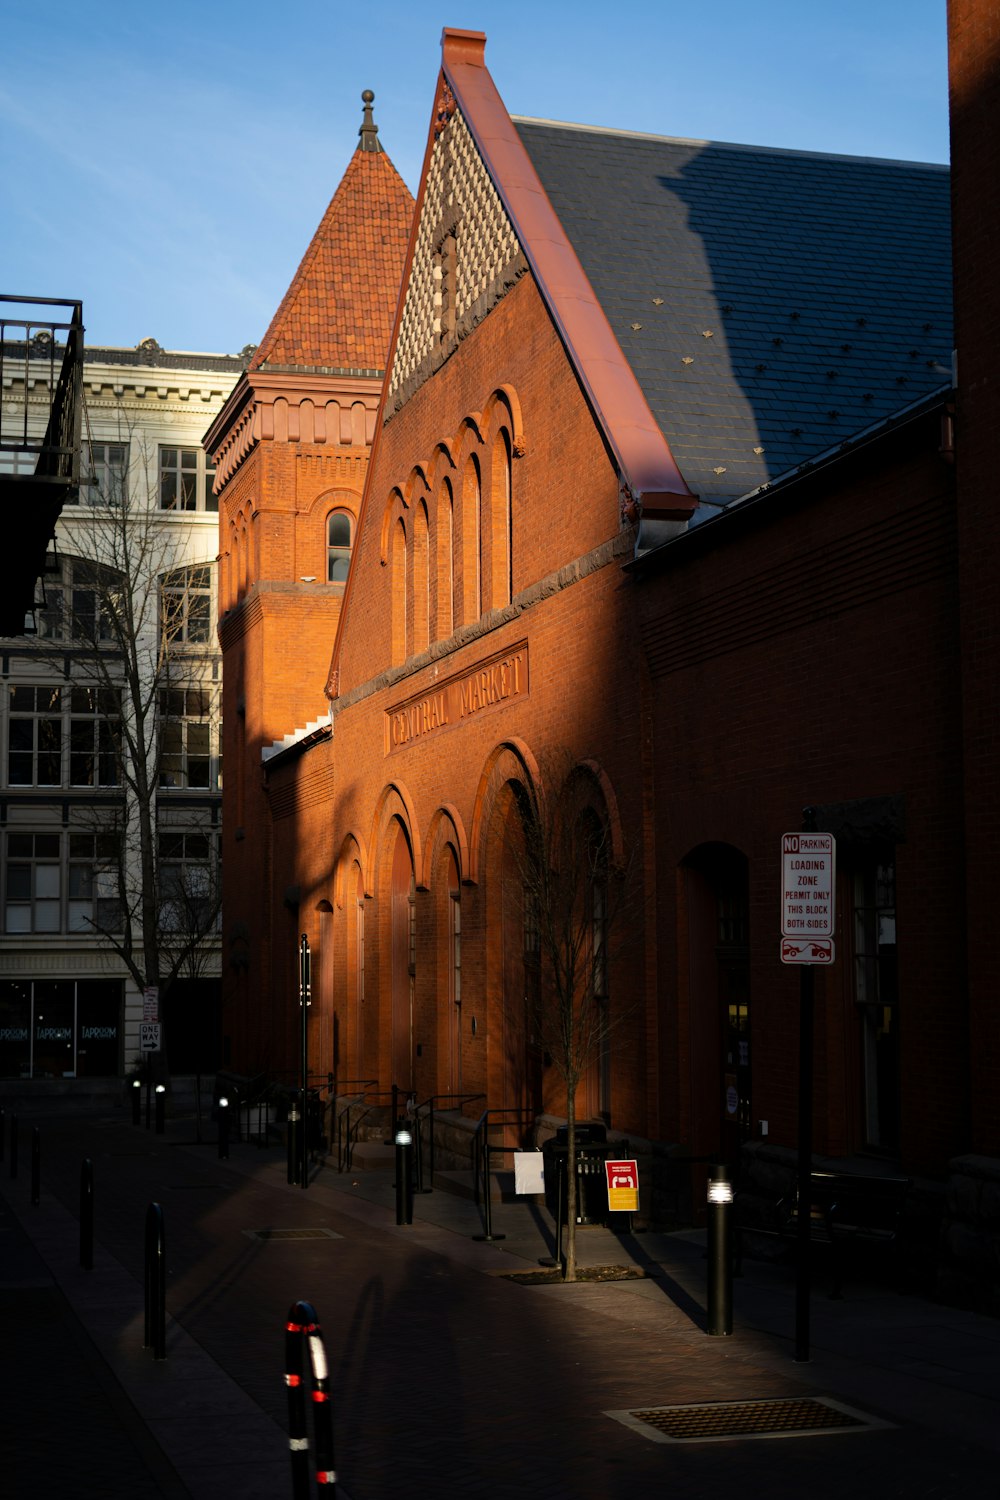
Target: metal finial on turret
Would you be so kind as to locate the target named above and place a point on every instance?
(369, 130)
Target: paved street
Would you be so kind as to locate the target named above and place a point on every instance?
(447, 1376)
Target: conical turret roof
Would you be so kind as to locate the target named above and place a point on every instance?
(337, 314)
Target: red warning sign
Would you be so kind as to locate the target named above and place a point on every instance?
(623, 1186)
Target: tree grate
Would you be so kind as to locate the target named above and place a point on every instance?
(292, 1234)
(727, 1421)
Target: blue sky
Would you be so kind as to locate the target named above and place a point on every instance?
(168, 164)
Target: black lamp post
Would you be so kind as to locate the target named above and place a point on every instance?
(720, 1282)
(404, 1174)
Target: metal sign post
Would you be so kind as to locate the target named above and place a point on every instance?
(305, 1000)
(808, 920)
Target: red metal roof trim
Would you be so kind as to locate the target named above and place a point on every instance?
(644, 456)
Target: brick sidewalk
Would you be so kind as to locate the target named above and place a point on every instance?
(447, 1376)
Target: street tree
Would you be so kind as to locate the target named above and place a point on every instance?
(126, 625)
(576, 890)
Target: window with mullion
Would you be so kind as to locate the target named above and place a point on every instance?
(33, 887)
(93, 737)
(93, 903)
(185, 880)
(104, 467)
(186, 480)
(186, 605)
(186, 740)
(34, 736)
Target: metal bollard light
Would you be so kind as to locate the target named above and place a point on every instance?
(136, 1101)
(294, 1151)
(36, 1167)
(87, 1214)
(720, 1279)
(3, 1133)
(223, 1128)
(161, 1097)
(13, 1145)
(404, 1174)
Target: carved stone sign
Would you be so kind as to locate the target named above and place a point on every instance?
(458, 699)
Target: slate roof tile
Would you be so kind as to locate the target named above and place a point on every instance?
(787, 257)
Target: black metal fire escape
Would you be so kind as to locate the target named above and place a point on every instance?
(41, 386)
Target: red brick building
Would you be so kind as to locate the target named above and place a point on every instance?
(662, 477)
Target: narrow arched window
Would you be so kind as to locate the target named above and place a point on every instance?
(339, 537)
(421, 580)
(446, 562)
(501, 523)
(472, 542)
(398, 584)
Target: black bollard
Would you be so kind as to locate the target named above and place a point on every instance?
(161, 1099)
(315, 1460)
(3, 1133)
(36, 1167)
(720, 1281)
(87, 1214)
(404, 1174)
(155, 1334)
(136, 1101)
(294, 1150)
(223, 1129)
(13, 1145)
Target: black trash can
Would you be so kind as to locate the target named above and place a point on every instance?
(592, 1151)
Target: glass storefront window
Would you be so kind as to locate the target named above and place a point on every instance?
(15, 1029)
(52, 1051)
(60, 1028)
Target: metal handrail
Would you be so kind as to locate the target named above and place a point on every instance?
(481, 1146)
(346, 1143)
(429, 1106)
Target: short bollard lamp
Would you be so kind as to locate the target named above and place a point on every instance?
(720, 1283)
(161, 1099)
(404, 1174)
(223, 1128)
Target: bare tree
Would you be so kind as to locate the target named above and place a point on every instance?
(126, 628)
(575, 895)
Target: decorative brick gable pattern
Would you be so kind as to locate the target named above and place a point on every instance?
(466, 258)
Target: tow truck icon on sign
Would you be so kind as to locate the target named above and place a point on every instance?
(807, 951)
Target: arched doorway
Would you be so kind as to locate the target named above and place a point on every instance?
(715, 899)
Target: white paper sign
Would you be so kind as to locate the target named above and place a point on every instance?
(529, 1172)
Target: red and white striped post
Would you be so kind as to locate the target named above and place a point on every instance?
(301, 1331)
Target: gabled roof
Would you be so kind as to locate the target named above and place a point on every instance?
(771, 303)
(337, 315)
(642, 451)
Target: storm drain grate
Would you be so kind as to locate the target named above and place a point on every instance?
(728, 1421)
(292, 1234)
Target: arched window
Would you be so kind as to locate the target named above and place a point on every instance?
(500, 513)
(398, 585)
(472, 543)
(339, 537)
(446, 562)
(421, 580)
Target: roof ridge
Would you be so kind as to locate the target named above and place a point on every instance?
(742, 146)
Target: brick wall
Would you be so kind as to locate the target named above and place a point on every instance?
(974, 51)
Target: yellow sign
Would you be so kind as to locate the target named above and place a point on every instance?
(623, 1186)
